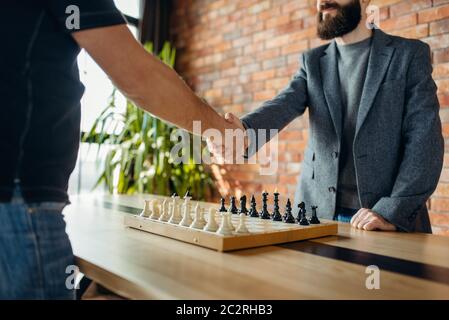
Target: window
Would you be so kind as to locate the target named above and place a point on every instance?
(98, 86)
(95, 99)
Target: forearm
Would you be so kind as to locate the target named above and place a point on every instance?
(145, 80)
(164, 94)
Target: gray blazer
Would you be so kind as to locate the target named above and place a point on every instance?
(398, 146)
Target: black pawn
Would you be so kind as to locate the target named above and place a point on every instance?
(314, 219)
(187, 195)
(276, 214)
(253, 210)
(174, 195)
(233, 208)
(288, 217)
(265, 214)
(243, 208)
(223, 207)
(302, 219)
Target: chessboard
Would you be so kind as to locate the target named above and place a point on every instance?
(229, 229)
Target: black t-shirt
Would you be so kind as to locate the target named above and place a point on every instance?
(40, 92)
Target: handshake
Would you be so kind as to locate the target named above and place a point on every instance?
(230, 148)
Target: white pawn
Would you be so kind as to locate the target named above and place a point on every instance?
(199, 222)
(242, 224)
(229, 217)
(165, 211)
(225, 229)
(186, 217)
(176, 216)
(146, 212)
(156, 210)
(211, 225)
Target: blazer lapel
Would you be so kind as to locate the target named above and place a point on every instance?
(379, 61)
(331, 85)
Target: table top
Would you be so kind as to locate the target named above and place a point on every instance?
(140, 265)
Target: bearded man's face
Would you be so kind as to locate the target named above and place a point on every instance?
(336, 19)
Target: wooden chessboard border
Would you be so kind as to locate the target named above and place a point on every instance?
(235, 242)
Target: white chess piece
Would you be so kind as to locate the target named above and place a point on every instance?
(199, 222)
(211, 225)
(146, 212)
(156, 210)
(165, 211)
(242, 228)
(229, 217)
(186, 217)
(176, 216)
(225, 229)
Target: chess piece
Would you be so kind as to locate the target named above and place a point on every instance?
(265, 214)
(225, 229)
(314, 219)
(188, 195)
(165, 211)
(243, 208)
(229, 217)
(253, 210)
(146, 212)
(222, 207)
(199, 222)
(233, 209)
(156, 210)
(211, 225)
(302, 219)
(186, 217)
(242, 228)
(276, 214)
(288, 217)
(176, 216)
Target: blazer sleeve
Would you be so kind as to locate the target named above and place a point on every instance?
(274, 115)
(423, 147)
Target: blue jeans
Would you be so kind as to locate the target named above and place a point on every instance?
(344, 214)
(35, 251)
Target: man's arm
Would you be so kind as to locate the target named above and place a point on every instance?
(279, 112)
(144, 79)
(423, 143)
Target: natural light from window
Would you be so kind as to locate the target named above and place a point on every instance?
(98, 86)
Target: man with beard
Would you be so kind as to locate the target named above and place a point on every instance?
(375, 149)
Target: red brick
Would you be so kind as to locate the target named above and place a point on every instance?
(433, 14)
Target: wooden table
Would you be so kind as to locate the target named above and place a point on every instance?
(140, 265)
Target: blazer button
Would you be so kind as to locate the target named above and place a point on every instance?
(335, 155)
(332, 190)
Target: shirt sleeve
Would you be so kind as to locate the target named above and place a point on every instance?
(92, 14)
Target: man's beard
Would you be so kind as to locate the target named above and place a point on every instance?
(346, 20)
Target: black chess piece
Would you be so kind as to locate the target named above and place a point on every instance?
(276, 214)
(222, 207)
(302, 219)
(174, 195)
(314, 219)
(288, 217)
(233, 207)
(253, 209)
(243, 208)
(187, 195)
(265, 214)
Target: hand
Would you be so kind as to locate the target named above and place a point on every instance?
(366, 219)
(227, 153)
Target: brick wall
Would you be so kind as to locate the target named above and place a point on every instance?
(238, 53)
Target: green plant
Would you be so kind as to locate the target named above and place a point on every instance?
(139, 159)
